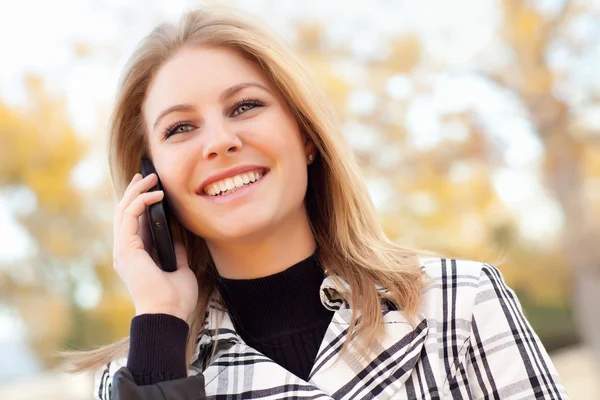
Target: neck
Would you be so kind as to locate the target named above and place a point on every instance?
(266, 253)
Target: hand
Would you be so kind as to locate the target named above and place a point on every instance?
(152, 290)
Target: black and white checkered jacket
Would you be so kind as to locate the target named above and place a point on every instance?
(472, 342)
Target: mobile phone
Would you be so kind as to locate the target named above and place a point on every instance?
(159, 225)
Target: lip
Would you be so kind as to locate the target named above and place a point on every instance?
(228, 173)
(240, 193)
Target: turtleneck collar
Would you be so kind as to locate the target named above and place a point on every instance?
(285, 301)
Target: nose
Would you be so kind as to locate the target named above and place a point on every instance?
(220, 141)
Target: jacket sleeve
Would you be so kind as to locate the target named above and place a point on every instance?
(103, 379)
(506, 359)
(156, 354)
(115, 382)
(125, 388)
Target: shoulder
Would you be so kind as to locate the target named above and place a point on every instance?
(455, 287)
(464, 275)
(444, 268)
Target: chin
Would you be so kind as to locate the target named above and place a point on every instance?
(240, 229)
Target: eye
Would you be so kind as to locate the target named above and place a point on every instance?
(244, 105)
(178, 127)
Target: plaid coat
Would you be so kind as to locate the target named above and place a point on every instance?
(471, 341)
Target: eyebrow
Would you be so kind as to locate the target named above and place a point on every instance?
(224, 96)
(177, 107)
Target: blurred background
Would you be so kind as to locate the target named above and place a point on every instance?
(476, 122)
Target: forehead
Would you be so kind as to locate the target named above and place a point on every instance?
(196, 73)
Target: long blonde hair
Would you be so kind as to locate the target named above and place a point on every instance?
(351, 240)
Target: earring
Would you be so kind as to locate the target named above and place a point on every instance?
(310, 157)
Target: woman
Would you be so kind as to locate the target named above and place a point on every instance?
(286, 284)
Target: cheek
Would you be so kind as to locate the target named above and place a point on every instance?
(286, 142)
(171, 183)
(174, 168)
(290, 153)
(294, 165)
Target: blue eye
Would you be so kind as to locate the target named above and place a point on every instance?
(178, 127)
(245, 105)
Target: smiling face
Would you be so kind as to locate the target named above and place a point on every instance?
(228, 151)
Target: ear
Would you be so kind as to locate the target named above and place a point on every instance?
(310, 150)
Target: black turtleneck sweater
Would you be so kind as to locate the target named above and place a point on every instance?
(280, 315)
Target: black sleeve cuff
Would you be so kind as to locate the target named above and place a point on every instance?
(157, 348)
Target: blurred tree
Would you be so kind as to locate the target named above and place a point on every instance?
(434, 195)
(439, 195)
(532, 35)
(50, 288)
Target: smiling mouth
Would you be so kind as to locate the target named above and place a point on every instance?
(233, 184)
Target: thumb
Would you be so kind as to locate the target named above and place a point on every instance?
(180, 255)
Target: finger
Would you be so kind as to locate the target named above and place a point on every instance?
(130, 223)
(118, 210)
(140, 185)
(144, 232)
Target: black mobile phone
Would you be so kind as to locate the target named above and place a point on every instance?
(159, 225)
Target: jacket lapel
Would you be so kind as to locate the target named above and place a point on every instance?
(238, 369)
(380, 373)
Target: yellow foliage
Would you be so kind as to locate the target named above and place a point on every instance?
(432, 209)
(40, 149)
(115, 312)
(47, 317)
(591, 161)
(310, 34)
(335, 88)
(405, 54)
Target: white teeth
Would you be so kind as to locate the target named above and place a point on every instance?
(232, 184)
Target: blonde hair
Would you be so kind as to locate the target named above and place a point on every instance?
(348, 233)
